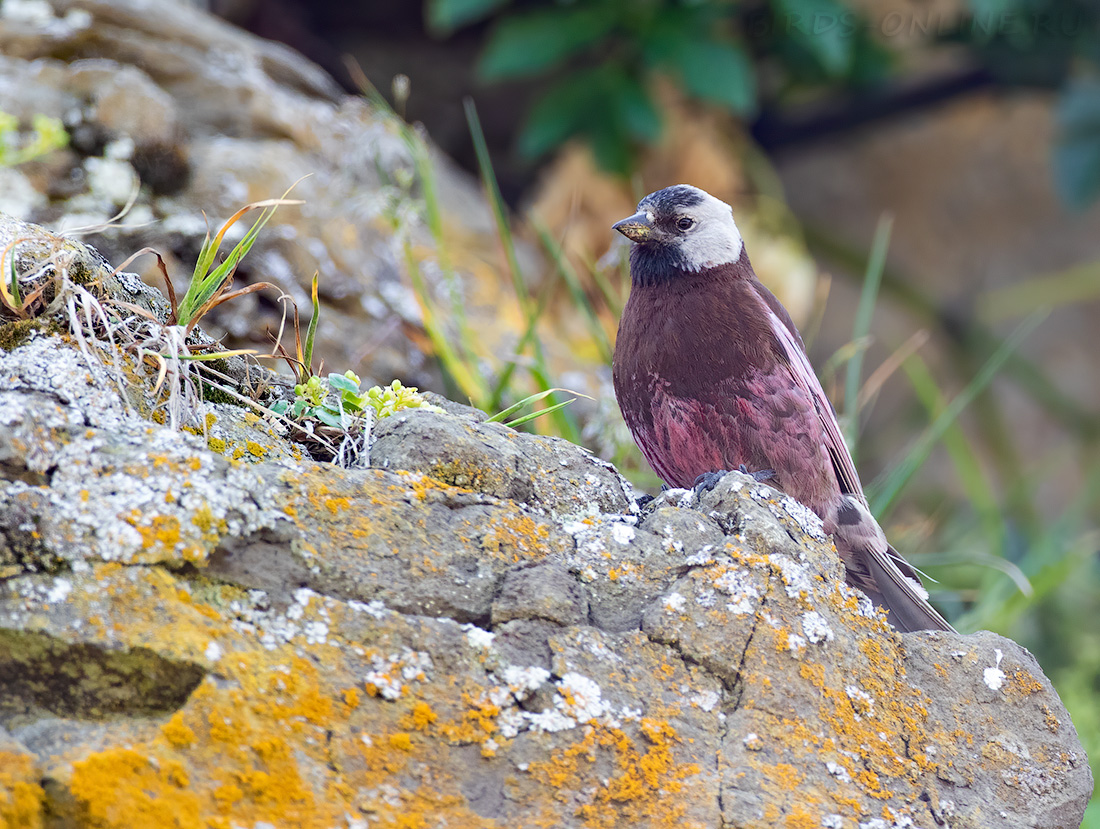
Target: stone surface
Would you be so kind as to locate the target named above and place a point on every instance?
(193, 116)
(190, 638)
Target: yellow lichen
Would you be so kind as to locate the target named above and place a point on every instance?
(178, 734)
(21, 798)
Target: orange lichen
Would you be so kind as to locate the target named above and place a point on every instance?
(177, 733)
(422, 716)
(644, 785)
(799, 818)
(516, 533)
(336, 505)
(401, 741)
(255, 449)
(162, 532)
(120, 787)
(21, 798)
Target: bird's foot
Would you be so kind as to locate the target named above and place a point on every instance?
(759, 476)
(707, 481)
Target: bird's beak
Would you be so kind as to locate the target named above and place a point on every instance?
(636, 228)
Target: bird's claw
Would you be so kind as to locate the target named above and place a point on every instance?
(759, 476)
(707, 481)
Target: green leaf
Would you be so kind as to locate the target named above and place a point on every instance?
(329, 418)
(610, 146)
(825, 28)
(525, 45)
(634, 109)
(445, 16)
(1077, 147)
(342, 383)
(558, 115)
(711, 70)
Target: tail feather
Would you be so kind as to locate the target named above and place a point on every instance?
(878, 569)
(904, 599)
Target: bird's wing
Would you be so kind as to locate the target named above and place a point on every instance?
(806, 377)
(881, 570)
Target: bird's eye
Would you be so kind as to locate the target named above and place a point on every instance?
(685, 223)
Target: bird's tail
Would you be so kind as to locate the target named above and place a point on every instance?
(902, 594)
(878, 569)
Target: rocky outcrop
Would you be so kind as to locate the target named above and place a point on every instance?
(480, 629)
(189, 115)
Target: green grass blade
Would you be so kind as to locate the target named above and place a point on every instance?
(500, 416)
(311, 330)
(469, 382)
(496, 201)
(530, 328)
(527, 418)
(884, 493)
(872, 279)
(975, 483)
(576, 291)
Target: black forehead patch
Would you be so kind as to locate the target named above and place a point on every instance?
(672, 198)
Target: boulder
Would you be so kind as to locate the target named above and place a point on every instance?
(481, 629)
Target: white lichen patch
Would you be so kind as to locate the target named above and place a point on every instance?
(796, 577)
(675, 603)
(391, 675)
(838, 771)
(862, 703)
(806, 519)
(705, 700)
(121, 488)
(993, 676)
(832, 822)
(815, 627)
(622, 534)
(59, 591)
(752, 741)
(741, 587)
(478, 638)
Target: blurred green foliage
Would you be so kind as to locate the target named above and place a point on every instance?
(17, 147)
(1050, 44)
(600, 56)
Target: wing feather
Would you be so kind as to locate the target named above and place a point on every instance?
(894, 579)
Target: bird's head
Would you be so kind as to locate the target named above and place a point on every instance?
(686, 227)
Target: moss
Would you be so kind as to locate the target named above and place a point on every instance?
(464, 474)
(212, 394)
(14, 334)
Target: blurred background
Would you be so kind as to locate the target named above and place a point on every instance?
(917, 181)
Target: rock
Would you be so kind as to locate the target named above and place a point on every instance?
(196, 118)
(545, 473)
(189, 638)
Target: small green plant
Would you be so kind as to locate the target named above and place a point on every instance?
(209, 282)
(17, 147)
(339, 402)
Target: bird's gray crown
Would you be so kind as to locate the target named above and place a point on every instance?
(712, 239)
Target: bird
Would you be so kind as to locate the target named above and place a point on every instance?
(711, 374)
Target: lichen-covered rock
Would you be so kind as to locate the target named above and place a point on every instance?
(546, 473)
(192, 116)
(188, 639)
(481, 630)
